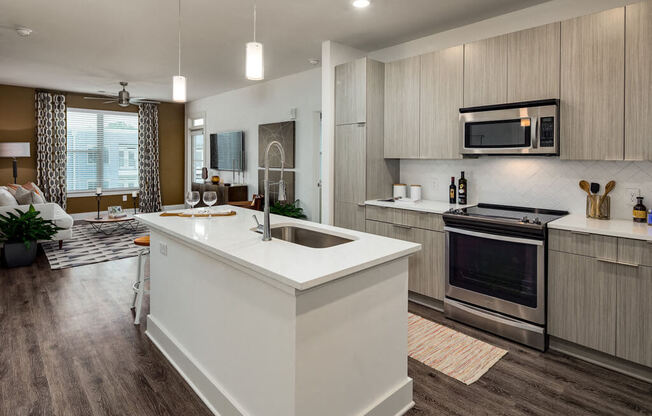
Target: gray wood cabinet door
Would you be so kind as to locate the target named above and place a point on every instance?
(426, 275)
(442, 95)
(402, 108)
(350, 163)
(582, 300)
(485, 72)
(350, 92)
(634, 325)
(592, 92)
(349, 215)
(533, 63)
(638, 81)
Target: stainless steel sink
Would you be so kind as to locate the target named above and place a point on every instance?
(307, 237)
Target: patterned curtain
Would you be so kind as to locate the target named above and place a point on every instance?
(148, 165)
(51, 153)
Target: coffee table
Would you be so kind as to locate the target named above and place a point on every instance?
(109, 226)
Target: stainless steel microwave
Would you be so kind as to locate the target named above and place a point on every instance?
(530, 127)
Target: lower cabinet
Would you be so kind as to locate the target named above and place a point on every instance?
(427, 267)
(634, 314)
(349, 215)
(602, 304)
(582, 301)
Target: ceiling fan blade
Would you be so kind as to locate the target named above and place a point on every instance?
(110, 102)
(143, 100)
(101, 98)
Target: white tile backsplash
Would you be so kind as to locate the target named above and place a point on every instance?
(543, 182)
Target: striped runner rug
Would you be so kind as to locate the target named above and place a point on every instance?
(457, 355)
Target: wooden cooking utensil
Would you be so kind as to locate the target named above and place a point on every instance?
(584, 185)
(610, 187)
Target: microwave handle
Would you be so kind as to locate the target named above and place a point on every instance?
(534, 133)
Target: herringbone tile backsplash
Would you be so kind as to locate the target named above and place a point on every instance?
(543, 182)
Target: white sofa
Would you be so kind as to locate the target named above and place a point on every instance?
(49, 211)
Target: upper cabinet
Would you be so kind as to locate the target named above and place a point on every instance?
(402, 108)
(442, 86)
(592, 80)
(533, 63)
(638, 81)
(350, 92)
(485, 72)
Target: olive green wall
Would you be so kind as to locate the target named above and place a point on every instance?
(18, 123)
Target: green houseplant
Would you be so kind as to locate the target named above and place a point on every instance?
(20, 231)
(290, 209)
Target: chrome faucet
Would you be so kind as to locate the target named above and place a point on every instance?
(267, 230)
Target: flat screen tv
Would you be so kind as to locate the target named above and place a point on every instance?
(227, 151)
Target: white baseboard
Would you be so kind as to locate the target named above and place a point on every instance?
(82, 215)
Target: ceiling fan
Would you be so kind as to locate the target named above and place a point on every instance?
(122, 98)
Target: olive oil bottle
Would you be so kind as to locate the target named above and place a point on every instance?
(452, 191)
(462, 193)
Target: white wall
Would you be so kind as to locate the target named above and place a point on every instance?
(270, 102)
(542, 182)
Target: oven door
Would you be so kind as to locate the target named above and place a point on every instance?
(500, 273)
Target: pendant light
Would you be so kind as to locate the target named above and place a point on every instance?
(255, 68)
(179, 81)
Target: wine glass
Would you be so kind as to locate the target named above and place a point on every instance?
(192, 198)
(210, 198)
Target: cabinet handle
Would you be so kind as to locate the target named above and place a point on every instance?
(580, 233)
(361, 204)
(622, 263)
(405, 227)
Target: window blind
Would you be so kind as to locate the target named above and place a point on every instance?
(102, 150)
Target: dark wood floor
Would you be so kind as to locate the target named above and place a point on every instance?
(68, 347)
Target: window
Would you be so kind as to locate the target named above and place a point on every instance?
(197, 155)
(102, 150)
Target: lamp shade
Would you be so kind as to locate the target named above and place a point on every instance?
(179, 89)
(255, 69)
(14, 149)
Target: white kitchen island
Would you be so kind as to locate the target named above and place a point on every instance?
(276, 328)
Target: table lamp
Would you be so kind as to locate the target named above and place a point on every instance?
(14, 150)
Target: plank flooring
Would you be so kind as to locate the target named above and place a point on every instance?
(68, 347)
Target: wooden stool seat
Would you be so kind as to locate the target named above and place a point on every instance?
(142, 241)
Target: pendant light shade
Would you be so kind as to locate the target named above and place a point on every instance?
(255, 66)
(179, 89)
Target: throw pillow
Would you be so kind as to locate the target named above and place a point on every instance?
(31, 186)
(26, 197)
(12, 187)
(6, 198)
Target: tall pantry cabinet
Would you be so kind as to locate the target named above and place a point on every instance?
(361, 171)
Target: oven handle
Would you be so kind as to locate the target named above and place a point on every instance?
(494, 236)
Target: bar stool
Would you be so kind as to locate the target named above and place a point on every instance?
(139, 286)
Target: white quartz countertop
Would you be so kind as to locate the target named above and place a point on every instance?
(435, 207)
(291, 264)
(614, 228)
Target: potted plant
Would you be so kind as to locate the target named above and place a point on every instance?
(288, 209)
(20, 231)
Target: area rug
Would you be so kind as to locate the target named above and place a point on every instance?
(88, 246)
(457, 355)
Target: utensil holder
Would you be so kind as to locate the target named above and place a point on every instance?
(596, 210)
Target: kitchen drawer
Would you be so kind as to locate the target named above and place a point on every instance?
(635, 251)
(585, 244)
(418, 219)
(383, 214)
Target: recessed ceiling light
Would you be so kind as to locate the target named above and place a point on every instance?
(23, 31)
(314, 61)
(360, 4)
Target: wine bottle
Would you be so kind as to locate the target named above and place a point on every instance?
(452, 191)
(462, 190)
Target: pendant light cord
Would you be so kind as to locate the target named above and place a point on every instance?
(179, 32)
(254, 21)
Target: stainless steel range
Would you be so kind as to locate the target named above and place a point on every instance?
(496, 260)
